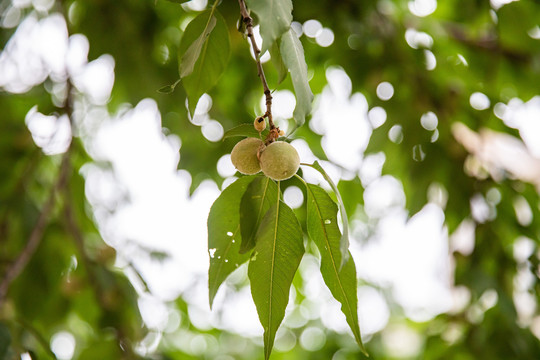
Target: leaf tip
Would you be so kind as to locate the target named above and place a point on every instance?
(211, 295)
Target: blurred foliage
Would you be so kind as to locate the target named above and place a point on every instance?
(70, 283)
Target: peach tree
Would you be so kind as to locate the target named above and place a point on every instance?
(250, 222)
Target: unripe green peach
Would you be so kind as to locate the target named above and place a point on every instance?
(244, 156)
(280, 160)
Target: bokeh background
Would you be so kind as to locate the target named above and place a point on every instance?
(426, 115)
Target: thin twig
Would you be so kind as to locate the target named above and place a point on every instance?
(37, 233)
(257, 52)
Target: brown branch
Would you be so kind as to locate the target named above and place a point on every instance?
(78, 237)
(488, 43)
(39, 228)
(248, 20)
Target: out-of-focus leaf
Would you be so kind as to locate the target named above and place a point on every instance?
(344, 242)
(292, 53)
(513, 34)
(258, 198)
(103, 348)
(275, 18)
(212, 59)
(323, 229)
(5, 341)
(277, 255)
(244, 130)
(168, 89)
(224, 236)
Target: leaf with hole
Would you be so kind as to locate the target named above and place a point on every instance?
(224, 236)
(277, 255)
(323, 229)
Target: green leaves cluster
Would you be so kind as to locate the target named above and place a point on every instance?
(205, 49)
(250, 222)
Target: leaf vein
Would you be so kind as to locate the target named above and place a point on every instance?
(330, 251)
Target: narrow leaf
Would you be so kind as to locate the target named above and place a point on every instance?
(187, 63)
(344, 242)
(323, 229)
(168, 89)
(292, 53)
(275, 55)
(244, 130)
(275, 17)
(213, 55)
(224, 237)
(258, 198)
(277, 255)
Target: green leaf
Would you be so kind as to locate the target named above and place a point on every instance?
(224, 237)
(212, 58)
(258, 198)
(244, 130)
(292, 53)
(512, 34)
(105, 347)
(275, 55)
(5, 341)
(168, 89)
(323, 229)
(344, 241)
(275, 17)
(187, 63)
(277, 255)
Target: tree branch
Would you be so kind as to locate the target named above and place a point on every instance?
(247, 19)
(39, 228)
(78, 236)
(488, 43)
